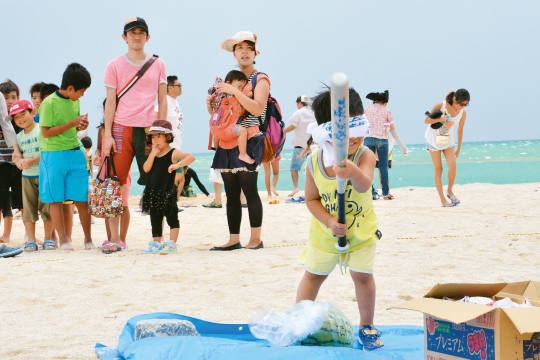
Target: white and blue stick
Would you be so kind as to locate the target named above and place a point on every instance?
(340, 140)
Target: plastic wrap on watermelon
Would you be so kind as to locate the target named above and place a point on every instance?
(308, 323)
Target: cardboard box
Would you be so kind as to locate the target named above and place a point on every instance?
(456, 330)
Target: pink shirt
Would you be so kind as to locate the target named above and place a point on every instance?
(136, 108)
(380, 119)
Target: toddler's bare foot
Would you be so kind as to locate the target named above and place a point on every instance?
(66, 246)
(274, 192)
(39, 242)
(88, 245)
(4, 239)
(246, 158)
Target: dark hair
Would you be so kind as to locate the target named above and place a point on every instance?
(77, 76)
(460, 95)
(47, 90)
(87, 142)
(171, 79)
(36, 87)
(235, 75)
(149, 138)
(322, 105)
(8, 86)
(246, 41)
(303, 103)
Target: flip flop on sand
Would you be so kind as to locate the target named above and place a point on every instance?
(450, 204)
(113, 247)
(453, 199)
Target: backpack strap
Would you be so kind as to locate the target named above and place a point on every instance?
(136, 78)
(254, 80)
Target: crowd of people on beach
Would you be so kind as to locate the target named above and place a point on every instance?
(46, 161)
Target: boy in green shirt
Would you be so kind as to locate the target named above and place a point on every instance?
(62, 167)
(28, 143)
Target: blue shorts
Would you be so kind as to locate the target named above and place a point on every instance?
(296, 164)
(63, 176)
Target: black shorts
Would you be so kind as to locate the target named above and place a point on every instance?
(10, 187)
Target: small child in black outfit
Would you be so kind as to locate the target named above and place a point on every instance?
(159, 197)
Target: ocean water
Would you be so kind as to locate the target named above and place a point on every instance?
(501, 162)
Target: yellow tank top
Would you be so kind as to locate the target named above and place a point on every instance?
(360, 214)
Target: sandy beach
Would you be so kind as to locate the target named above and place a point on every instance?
(57, 305)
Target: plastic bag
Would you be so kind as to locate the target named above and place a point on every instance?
(503, 303)
(307, 323)
(215, 177)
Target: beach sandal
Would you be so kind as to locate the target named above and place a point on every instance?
(370, 337)
(30, 246)
(168, 248)
(110, 250)
(123, 245)
(153, 247)
(49, 245)
(450, 204)
(375, 194)
(300, 199)
(106, 242)
(454, 200)
(244, 205)
(389, 197)
(6, 251)
(213, 205)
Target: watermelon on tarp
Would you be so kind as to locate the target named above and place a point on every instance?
(235, 341)
(310, 323)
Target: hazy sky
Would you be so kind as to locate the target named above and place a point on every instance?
(418, 50)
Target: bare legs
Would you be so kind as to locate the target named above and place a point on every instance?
(30, 228)
(450, 156)
(275, 170)
(364, 285)
(242, 146)
(8, 223)
(294, 175)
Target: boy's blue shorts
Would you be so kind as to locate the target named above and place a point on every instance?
(63, 176)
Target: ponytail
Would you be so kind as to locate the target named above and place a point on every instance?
(450, 98)
(460, 95)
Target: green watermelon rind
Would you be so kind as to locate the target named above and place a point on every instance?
(328, 336)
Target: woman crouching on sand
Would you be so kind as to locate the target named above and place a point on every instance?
(238, 175)
(440, 138)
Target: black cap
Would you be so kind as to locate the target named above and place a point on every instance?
(136, 22)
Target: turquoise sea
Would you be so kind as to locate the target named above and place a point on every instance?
(501, 162)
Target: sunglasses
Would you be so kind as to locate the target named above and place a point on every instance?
(464, 105)
(179, 85)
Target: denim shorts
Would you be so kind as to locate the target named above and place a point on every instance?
(296, 164)
(63, 176)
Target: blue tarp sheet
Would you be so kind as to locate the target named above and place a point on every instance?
(234, 341)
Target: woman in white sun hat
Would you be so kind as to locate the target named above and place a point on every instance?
(238, 175)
